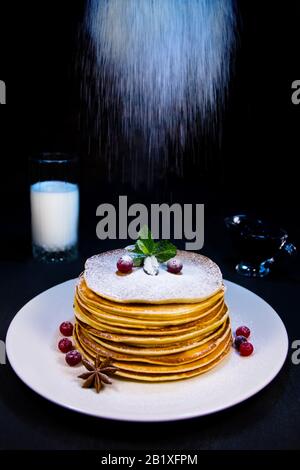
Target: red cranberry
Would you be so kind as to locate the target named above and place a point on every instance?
(243, 331)
(66, 328)
(73, 358)
(174, 266)
(238, 341)
(65, 345)
(125, 264)
(246, 349)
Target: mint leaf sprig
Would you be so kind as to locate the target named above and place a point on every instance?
(146, 247)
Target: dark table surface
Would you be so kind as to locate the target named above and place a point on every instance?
(268, 420)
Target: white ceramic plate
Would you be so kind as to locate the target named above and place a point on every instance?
(32, 351)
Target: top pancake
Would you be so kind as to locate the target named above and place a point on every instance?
(200, 279)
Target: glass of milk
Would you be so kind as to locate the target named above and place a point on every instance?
(54, 201)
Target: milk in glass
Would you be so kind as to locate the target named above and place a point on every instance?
(54, 215)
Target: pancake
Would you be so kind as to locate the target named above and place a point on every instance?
(158, 349)
(84, 317)
(94, 317)
(208, 343)
(135, 322)
(153, 328)
(89, 298)
(138, 340)
(213, 355)
(200, 279)
(175, 376)
(103, 325)
(155, 369)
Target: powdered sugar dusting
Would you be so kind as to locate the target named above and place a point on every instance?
(200, 278)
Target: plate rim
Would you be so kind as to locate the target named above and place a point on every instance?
(181, 416)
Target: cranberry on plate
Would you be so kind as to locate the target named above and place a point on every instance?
(246, 349)
(243, 331)
(73, 358)
(66, 328)
(65, 345)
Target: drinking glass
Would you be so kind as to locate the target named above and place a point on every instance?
(54, 201)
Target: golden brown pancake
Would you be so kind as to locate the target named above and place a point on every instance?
(125, 341)
(126, 321)
(176, 376)
(89, 298)
(207, 344)
(84, 316)
(156, 350)
(156, 369)
(154, 328)
(214, 354)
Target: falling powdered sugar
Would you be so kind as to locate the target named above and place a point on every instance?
(153, 72)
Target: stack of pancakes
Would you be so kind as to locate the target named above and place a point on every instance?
(154, 328)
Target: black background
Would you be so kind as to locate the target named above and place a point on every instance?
(256, 164)
(256, 170)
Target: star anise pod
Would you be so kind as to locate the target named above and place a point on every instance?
(97, 373)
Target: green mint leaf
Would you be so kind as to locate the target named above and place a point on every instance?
(137, 250)
(143, 247)
(164, 251)
(146, 248)
(145, 242)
